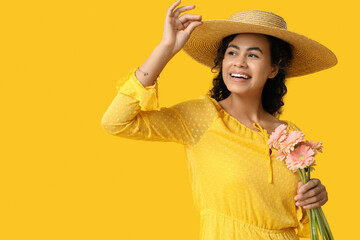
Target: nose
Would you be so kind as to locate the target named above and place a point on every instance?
(240, 61)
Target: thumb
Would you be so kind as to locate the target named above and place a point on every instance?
(190, 28)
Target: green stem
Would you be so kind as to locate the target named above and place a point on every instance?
(308, 170)
(320, 224)
(327, 227)
(313, 229)
(302, 175)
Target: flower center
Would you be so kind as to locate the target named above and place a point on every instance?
(301, 157)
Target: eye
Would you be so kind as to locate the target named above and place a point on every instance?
(231, 53)
(253, 55)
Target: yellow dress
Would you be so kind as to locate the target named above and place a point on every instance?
(239, 187)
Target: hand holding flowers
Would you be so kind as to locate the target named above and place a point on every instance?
(299, 155)
(311, 195)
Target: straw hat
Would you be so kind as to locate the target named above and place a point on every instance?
(309, 55)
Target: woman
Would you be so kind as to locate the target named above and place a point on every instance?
(240, 189)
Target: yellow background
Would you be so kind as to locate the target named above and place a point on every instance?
(63, 177)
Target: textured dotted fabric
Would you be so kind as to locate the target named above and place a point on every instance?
(228, 163)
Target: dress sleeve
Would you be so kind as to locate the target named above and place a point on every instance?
(303, 230)
(135, 114)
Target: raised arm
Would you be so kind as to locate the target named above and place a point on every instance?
(135, 112)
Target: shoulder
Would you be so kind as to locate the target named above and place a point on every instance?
(201, 104)
(197, 114)
(292, 126)
(199, 111)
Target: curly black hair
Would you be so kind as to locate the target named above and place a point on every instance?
(274, 90)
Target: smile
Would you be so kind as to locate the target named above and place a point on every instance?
(239, 77)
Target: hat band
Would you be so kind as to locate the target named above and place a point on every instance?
(259, 18)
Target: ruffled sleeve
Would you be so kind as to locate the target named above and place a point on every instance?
(132, 87)
(303, 230)
(135, 113)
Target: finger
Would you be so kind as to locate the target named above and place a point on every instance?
(172, 7)
(315, 205)
(188, 23)
(316, 198)
(186, 17)
(314, 191)
(310, 193)
(182, 9)
(310, 184)
(192, 26)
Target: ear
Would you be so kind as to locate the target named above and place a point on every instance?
(274, 71)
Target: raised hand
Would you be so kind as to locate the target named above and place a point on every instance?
(177, 29)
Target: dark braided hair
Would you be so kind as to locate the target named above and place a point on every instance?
(274, 90)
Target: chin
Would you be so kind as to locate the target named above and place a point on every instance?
(238, 90)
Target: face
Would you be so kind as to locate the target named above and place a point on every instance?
(247, 54)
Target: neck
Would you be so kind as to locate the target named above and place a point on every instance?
(249, 109)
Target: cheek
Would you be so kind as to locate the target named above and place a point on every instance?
(225, 63)
(225, 67)
(262, 69)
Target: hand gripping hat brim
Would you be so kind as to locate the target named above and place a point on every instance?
(309, 56)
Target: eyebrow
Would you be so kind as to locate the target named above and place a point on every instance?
(249, 49)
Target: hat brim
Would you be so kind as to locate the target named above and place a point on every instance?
(309, 56)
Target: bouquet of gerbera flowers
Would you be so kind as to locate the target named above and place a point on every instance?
(299, 155)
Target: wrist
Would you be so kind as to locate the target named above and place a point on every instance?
(166, 49)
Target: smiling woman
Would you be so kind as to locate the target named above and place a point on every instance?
(240, 189)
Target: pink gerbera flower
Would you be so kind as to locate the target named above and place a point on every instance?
(292, 139)
(278, 136)
(281, 155)
(301, 157)
(315, 146)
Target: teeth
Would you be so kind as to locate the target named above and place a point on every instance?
(239, 75)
